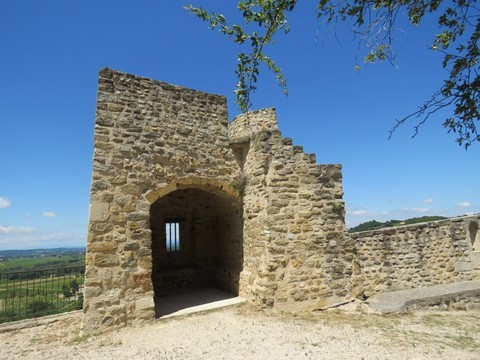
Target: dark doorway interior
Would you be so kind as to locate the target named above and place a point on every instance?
(197, 242)
(474, 236)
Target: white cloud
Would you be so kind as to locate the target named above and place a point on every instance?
(4, 203)
(29, 238)
(428, 201)
(49, 214)
(421, 210)
(360, 212)
(360, 215)
(15, 230)
(464, 204)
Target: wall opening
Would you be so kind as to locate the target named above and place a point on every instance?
(474, 236)
(172, 235)
(197, 241)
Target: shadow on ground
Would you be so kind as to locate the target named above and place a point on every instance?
(194, 300)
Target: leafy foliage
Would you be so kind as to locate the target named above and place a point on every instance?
(374, 225)
(40, 306)
(71, 290)
(269, 18)
(66, 290)
(372, 21)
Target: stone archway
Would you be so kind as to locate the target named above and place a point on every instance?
(197, 241)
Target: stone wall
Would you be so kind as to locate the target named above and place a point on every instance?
(151, 139)
(417, 255)
(257, 215)
(298, 256)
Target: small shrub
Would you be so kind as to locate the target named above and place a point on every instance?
(338, 208)
(40, 307)
(66, 291)
(7, 315)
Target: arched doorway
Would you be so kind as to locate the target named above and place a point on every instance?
(197, 242)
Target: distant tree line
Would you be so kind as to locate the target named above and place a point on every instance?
(374, 225)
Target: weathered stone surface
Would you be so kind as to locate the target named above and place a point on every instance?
(102, 260)
(136, 216)
(102, 247)
(415, 255)
(171, 140)
(145, 303)
(99, 212)
(131, 246)
(263, 219)
(92, 291)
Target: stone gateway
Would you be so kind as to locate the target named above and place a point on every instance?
(180, 198)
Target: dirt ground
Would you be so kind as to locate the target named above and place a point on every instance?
(243, 333)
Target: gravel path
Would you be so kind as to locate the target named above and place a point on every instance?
(241, 333)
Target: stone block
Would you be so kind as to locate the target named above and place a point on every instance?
(99, 212)
(475, 256)
(131, 246)
(92, 291)
(105, 260)
(137, 216)
(145, 303)
(463, 266)
(102, 247)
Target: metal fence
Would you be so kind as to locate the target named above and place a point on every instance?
(34, 293)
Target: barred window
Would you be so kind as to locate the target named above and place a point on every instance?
(172, 235)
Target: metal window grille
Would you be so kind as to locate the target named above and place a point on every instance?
(172, 235)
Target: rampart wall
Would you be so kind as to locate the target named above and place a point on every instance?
(418, 255)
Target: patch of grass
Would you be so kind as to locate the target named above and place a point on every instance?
(37, 263)
(80, 338)
(433, 320)
(464, 341)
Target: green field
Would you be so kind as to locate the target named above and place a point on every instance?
(35, 263)
(40, 284)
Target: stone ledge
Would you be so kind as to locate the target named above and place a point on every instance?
(395, 302)
(43, 320)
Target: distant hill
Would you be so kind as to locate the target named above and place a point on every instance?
(374, 225)
(41, 252)
(40, 259)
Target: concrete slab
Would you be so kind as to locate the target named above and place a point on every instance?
(399, 301)
(194, 300)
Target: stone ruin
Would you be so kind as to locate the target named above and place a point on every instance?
(181, 198)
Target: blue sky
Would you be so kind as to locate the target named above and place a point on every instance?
(50, 54)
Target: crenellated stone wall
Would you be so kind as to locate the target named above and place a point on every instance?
(295, 212)
(257, 216)
(418, 255)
